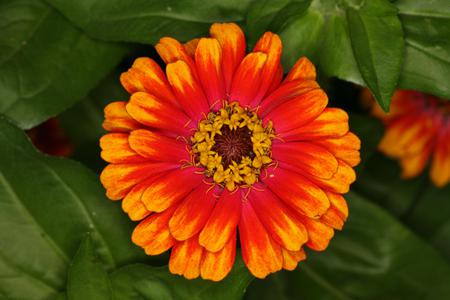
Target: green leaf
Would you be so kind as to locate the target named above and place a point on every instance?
(87, 278)
(303, 35)
(427, 58)
(84, 135)
(374, 257)
(428, 216)
(377, 42)
(362, 41)
(272, 15)
(47, 205)
(46, 64)
(145, 21)
(145, 282)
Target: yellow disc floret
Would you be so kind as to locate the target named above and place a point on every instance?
(232, 145)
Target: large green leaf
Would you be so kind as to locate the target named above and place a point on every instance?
(362, 41)
(145, 282)
(82, 123)
(145, 21)
(374, 257)
(275, 15)
(47, 205)
(87, 279)
(46, 64)
(427, 58)
(377, 42)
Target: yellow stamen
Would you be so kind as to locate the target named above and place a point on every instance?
(246, 171)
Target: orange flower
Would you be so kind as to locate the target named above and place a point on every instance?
(417, 129)
(221, 144)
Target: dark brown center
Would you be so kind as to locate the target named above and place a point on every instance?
(232, 145)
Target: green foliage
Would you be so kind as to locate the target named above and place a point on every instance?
(363, 41)
(147, 282)
(60, 238)
(374, 257)
(46, 64)
(86, 278)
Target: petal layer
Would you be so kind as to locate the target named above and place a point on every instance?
(118, 179)
(162, 194)
(299, 111)
(305, 157)
(117, 118)
(157, 147)
(297, 192)
(331, 123)
(247, 80)
(216, 265)
(153, 112)
(116, 149)
(187, 89)
(192, 214)
(146, 76)
(153, 234)
(277, 219)
(223, 221)
(208, 59)
(186, 258)
(260, 253)
(232, 41)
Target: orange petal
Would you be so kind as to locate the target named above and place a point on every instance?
(208, 59)
(187, 89)
(271, 45)
(305, 157)
(286, 91)
(277, 220)
(345, 147)
(158, 147)
(302, 69)
(115, 149)
(117, 118)
(118, 179)
(191, 46)
(260, 253)
(186, 258)
(247, 79)
(331, 123)
(299, 111)
(340, 181)
(297, 192)
(223, 221)
(292, 258)
(413, 164)
(216, 265)
(171, 188)
(319, 234)
(276, 80)
(440, 167)
(192, 214)
(336, 216)
(147, 76)
(153, 233)
(153, 112)
(402, 132)
(172, 50)
(232, 40)
(132, 203)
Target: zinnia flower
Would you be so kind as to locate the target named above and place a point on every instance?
(221, 147)
(417, 131)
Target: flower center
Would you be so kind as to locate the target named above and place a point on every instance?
(233, 146)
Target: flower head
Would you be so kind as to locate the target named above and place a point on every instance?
(219, 147)
(417, 131)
